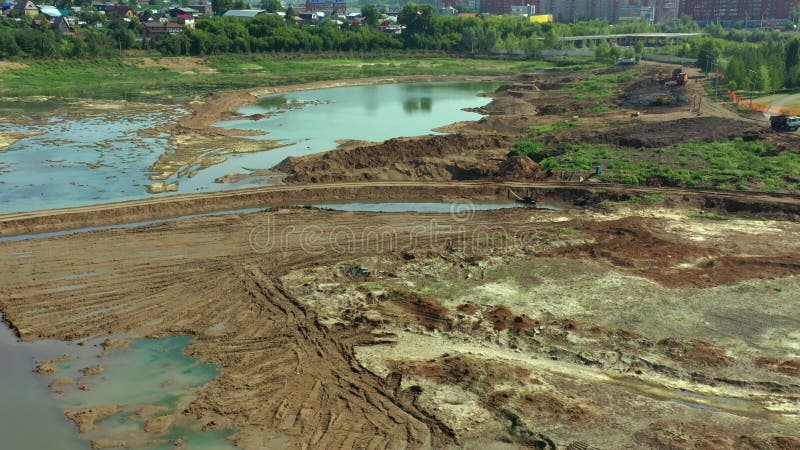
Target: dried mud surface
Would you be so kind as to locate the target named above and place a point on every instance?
(361, 349)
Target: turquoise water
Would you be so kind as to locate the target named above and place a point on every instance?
(29, 417)
(149, 372)
(99, 160)
(428, 207)
(312, 121)
(80, 162)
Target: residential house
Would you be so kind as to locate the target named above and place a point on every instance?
(120, 11)
(175, 12)
(61, 24)
(186, 20)
(50, 11)
(27, 7)
(202, 8)
(157, 29)
(244, 13)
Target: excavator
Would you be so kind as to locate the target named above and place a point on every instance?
(679, 78)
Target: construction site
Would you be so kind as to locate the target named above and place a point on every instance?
(583, 311)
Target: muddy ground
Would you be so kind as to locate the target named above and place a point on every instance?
(617, 321)
(620, 326)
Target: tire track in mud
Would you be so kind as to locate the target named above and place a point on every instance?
(280, 370)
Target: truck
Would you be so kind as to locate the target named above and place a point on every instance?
(679, 77)
(784, 123)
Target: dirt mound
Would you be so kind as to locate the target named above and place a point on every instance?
(464, 371)
(503, 318)
(788, 367)
(727, 270)
(415, 308)
(521, 168)
(406, 154)
(629, 243)
(663, 134)
(547, 407)
(511, 104)
(696, 352)
(651, 93)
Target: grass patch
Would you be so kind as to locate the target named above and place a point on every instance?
(735, 164)
(601, 86)
(649, 199)
(529, 147)
(601, 108)
(553, 126)
(123, 79)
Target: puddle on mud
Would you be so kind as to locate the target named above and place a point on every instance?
(713, 403)
(106, 159)
(456, 207)
(29, 417)
(149, 372)
(425, 207)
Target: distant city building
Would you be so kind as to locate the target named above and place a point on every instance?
(523, 10)
(327, 6)
(659, 11)
(497, 7)
(457, 4)
(737, 10)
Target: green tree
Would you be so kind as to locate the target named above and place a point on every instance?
(220, 7)
(638, 49)
(370, 14)
(271, 5)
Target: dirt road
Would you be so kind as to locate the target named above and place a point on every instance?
(187, 204)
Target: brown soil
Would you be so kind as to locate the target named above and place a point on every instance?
(430, 157)
(699, 436)
(502, 318)
(696, 352)
(632, 245)
(788, 367)
(664, 134)
(651, 96)
(414, 308)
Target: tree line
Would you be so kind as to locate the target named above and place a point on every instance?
(755, 61)
(423, 30)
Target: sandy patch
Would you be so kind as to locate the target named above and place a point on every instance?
(10, 65)
(180, 64)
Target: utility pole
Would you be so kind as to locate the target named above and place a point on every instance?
(752, 81)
